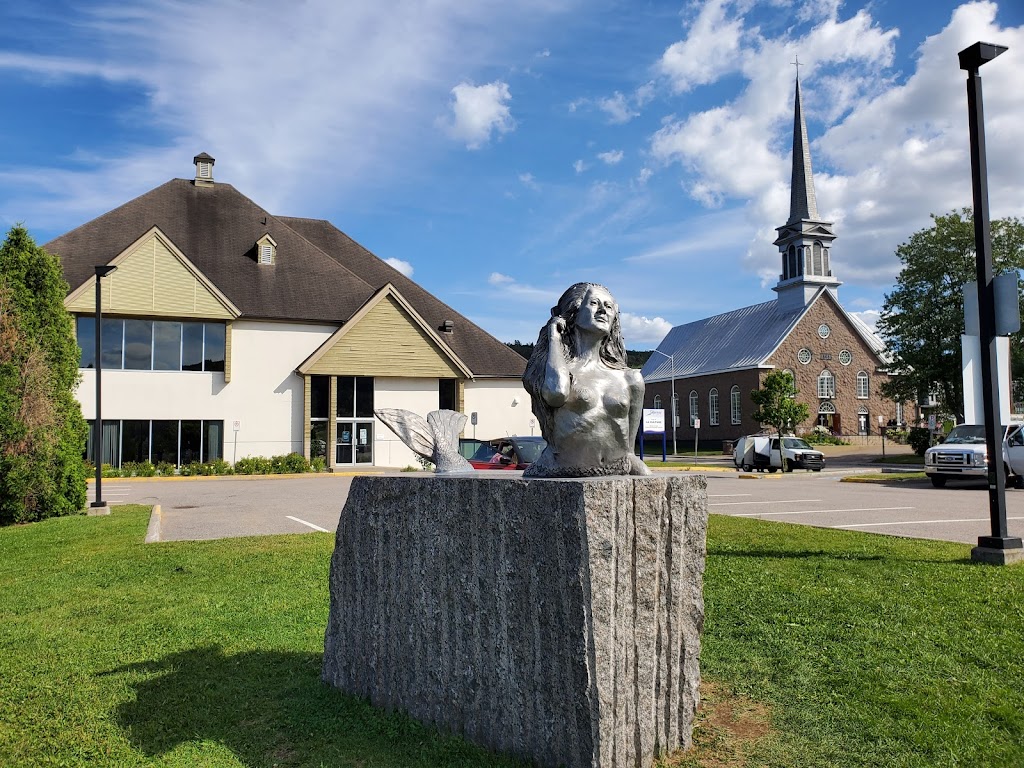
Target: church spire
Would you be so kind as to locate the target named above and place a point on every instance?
(802, 203)
(805, 241)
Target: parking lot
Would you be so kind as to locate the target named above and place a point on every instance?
(210, 508)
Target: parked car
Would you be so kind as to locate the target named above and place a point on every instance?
(508, 453)
(963, 455)
(772, 453)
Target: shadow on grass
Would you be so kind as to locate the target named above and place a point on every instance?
(790, 554)
(270, 708)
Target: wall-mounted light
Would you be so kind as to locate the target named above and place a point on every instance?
(515, 402)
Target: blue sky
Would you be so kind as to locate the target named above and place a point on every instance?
(498, 152)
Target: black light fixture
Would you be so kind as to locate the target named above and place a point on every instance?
(1000, 547)
(97, 435)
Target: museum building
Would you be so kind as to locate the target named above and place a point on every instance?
(838, 364)
(230, 332)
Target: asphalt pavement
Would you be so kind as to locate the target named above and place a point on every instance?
(222, 507)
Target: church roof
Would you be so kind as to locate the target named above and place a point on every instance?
(743, 338)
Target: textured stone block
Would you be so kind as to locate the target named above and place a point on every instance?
(558, 620)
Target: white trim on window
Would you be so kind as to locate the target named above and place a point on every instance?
(863, 385)
(713, 407)
(734, 404)
(826, 384)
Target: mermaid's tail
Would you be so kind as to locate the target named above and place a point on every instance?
(435, 439)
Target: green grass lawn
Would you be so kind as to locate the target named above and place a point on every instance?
(900, 458)
(840, 649)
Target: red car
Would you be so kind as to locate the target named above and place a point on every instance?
(508, 453)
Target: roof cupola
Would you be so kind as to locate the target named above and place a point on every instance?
(204, 170)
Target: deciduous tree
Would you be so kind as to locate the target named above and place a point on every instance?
(923, 318)
(42, 433)
(776, 402)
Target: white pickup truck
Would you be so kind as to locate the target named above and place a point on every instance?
(963, 455)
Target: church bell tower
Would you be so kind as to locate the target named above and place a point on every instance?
(805, 240)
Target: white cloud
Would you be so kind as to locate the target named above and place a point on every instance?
(709, 51)
(640, 331)
(496, 278)
(510, 287)
(617, 108)
(612, 157)
(528, 181)
(869, 317)
(346, 92)
(479, 111)
(645, 175)
(579, 166)
(402, 266)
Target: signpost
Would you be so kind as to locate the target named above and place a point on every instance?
(696, 432)
(653, 424)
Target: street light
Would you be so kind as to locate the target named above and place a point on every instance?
(1000, 547)
(97, 435)
(675, 405)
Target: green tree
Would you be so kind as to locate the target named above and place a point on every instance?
(923, 318)
(777, 404)
(42, 432)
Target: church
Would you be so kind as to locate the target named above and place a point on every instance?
(838, 364)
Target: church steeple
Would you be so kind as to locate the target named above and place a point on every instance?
(802, 202)
(805, 240)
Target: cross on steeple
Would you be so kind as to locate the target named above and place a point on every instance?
(797, 64)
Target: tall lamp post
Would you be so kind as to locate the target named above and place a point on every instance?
(1000, 547)
(97, 435)
(675, 405)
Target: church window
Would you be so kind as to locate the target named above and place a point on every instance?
(824, 258)
(863, 385)
(694, 415)
(713, 407)
(791, 262)
(845, 357)
(804, 356)
(657, 402)
(734, 403)
(826, 384)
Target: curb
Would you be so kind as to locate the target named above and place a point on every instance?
(179, 478)
(153, 531)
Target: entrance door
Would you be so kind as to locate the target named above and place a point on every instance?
(862, 423)
(355, 442)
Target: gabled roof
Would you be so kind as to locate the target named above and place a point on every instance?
(470, 343)
(320, 276)
(743, 338)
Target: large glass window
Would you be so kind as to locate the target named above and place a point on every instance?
(130, 440)
(713, 407)
(165, 442)
(134, 441)
(191, 442)
(734, 403)
(448, 394)
(112, 342)
(138, 345)
(191, 346)
(153, 345)
(86, 333)
(213, 440)
(694, 415)
(319, 396)
(166, 346)
(346, 396)
(364, 397)
(213, 344)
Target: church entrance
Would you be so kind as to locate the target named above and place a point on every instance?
(828, 418)
(862, 421)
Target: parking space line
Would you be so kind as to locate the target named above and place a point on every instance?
(780, 501)
(727, 495)
(921, 522)
(314, 527)
(817, 511)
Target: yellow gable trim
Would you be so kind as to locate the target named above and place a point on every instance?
(154, 278)
(385, 341)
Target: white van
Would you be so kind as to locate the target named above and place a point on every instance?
(772, 453)
(963, 455)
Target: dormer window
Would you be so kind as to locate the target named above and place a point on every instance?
(266, 250)
(204, 170)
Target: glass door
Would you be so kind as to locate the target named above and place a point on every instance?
(364, 442)
(344, 451)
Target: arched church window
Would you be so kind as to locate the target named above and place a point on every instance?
(816, 267)
(657, 402)
(800, 261)
(824, 261)
(791, 262)
(826, 384)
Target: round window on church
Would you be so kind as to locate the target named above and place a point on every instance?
(804, 356)
(824, 331)
(845, 357)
